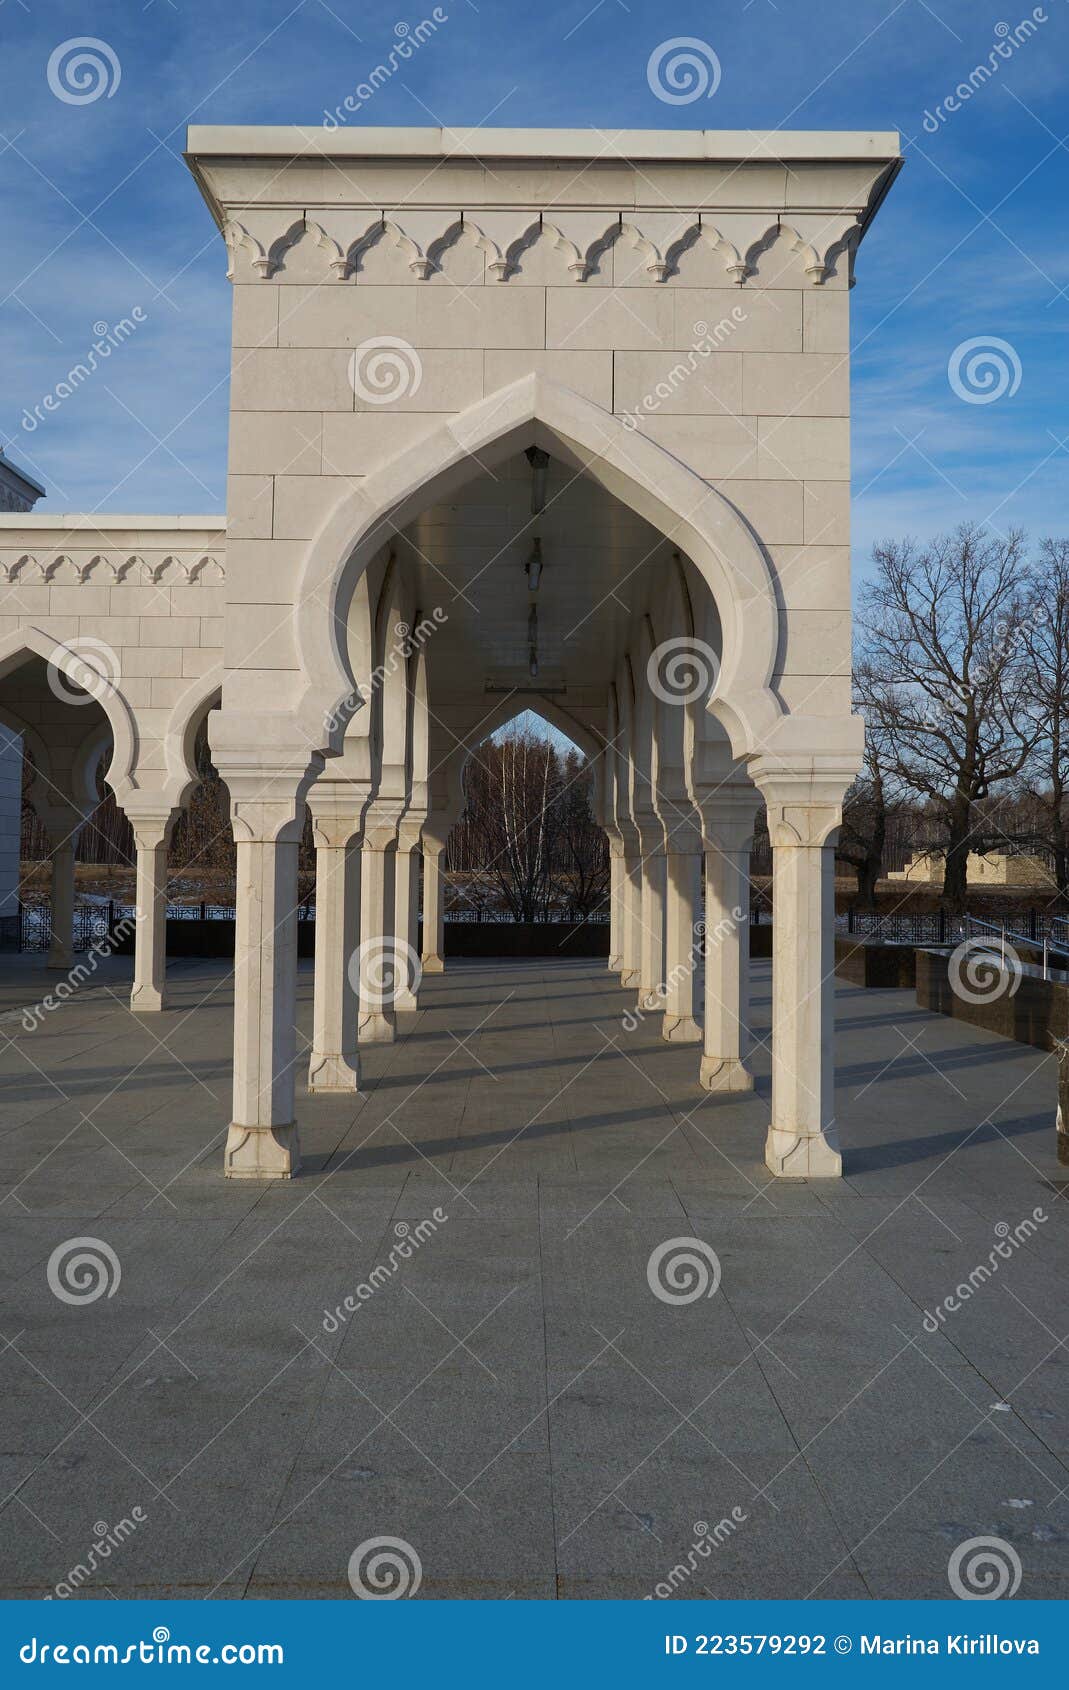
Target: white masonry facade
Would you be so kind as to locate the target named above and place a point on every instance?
(517, 421)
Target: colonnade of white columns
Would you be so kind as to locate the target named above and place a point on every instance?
(662, 939)
(679, 813)
(679, 903)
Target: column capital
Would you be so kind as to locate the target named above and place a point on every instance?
(410, 834)
(337, 809)
(804, 799)
(268, 771)
(728, 818)
(684, 839)
(650, 836)
(151, 830)
(382, 820)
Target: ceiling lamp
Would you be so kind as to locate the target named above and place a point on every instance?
(539, 462)
(533, 565)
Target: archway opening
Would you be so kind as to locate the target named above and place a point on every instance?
(59, 824)
(527, 855)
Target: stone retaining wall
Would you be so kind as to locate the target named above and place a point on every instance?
(1032, 1013)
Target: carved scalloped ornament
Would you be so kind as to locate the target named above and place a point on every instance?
(261, 239)
(117, 569)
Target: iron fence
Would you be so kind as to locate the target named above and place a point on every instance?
(937, 927)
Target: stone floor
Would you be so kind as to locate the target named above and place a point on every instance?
(513, 1400)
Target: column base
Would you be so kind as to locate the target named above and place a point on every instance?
(376, 1029)
(333, 1072)
(147, 1000)
(681, 1030)
(629, 978)
(61, 962)
(725, 1073)
(650, 1002)
(432, 965)
(802, 1155)
(405, 1003)
(262, 1152)
(616, 964)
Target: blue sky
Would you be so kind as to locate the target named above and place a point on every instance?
(101, 216)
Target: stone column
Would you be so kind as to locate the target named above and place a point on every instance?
(616, 907)
(803, 817)
(378, 958)
(727, 951)
(631, 917)
(61, 949)
(406, 921)
(682, 946)
(334, 1064)
(151, 836)
(654, 890)
(262, 1142)
(433, 908)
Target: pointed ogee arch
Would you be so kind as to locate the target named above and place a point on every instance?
(641, 474)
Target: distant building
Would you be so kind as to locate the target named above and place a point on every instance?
(18, 491)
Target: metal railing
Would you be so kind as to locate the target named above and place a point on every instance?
(1046, 933)
(31, 928)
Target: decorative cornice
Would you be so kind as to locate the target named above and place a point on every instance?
(106, 569)
(263, 238)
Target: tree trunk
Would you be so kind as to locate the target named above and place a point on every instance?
(956, 873)
(868, 873)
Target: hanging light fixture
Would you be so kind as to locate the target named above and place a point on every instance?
(533, 565)
(539, 462)
(532, 640)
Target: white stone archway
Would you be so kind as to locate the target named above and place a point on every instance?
(661, 489)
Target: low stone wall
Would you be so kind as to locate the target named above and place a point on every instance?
(867, 963)
(761, 939)
(1034, 1014)
(526, 939)
(209, 938)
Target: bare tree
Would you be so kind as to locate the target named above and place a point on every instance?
(527, 841)
(943, 678)
(1045, 645)
(868, 806)
(581, 868)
